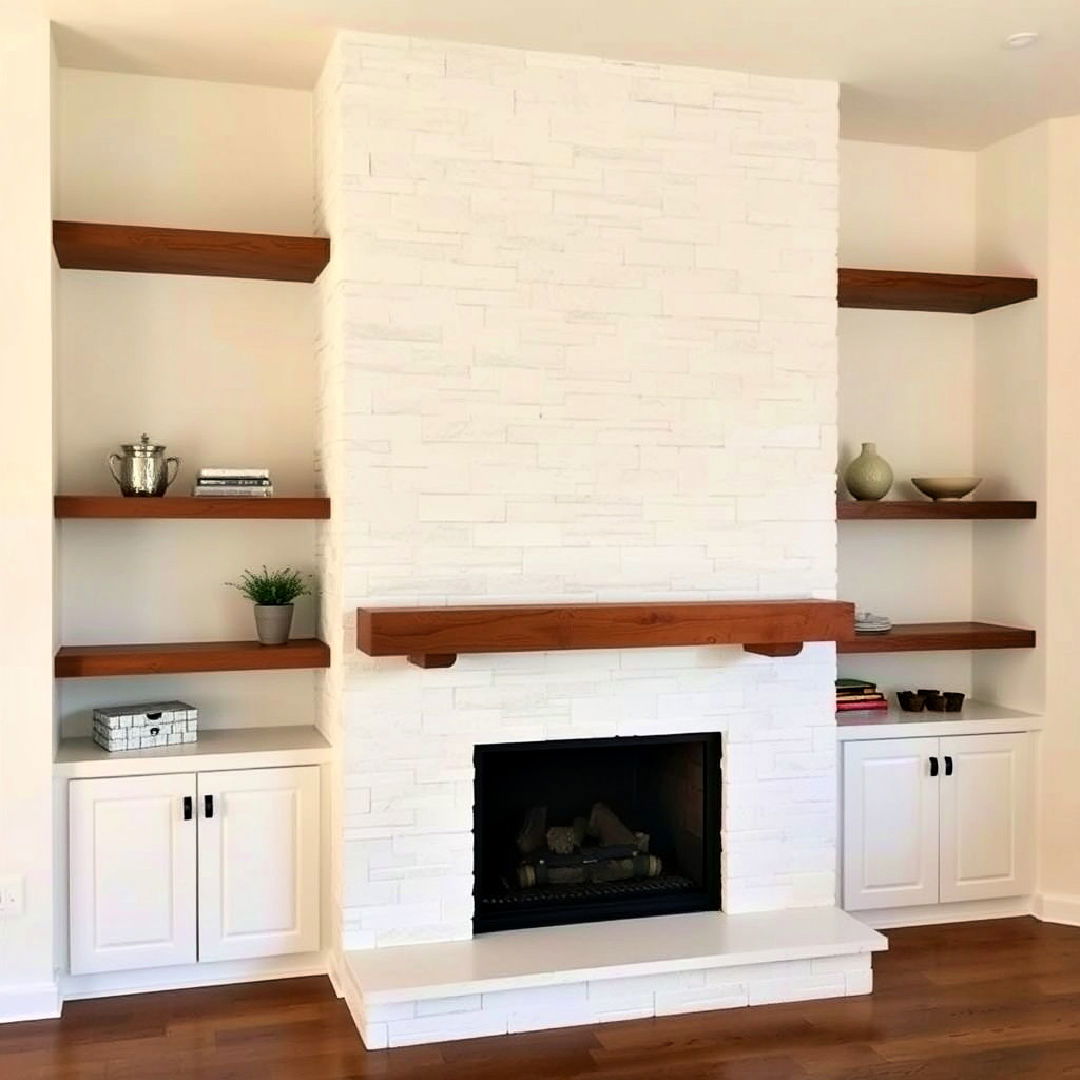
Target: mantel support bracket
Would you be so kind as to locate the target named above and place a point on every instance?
(780, 648)
(432, 660)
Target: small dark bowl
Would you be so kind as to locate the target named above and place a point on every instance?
(911, 702)
(927, 693)
(954, 702)
(935, 702)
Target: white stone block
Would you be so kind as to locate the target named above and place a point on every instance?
(443, 1006)
(858, 983)
(429, 1029)
(804, 988)
(526, 1019)
(731, 995)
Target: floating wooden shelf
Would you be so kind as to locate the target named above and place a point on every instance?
(168, 658)
(940, 637)
(923, 510)
(188, 506)
(434, 637)
(139, 249)
(901, 290)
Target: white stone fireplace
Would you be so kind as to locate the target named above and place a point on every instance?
(578, 344)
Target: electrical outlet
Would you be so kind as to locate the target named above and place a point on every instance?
(11, 896)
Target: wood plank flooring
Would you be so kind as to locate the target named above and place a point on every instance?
(978, 1001)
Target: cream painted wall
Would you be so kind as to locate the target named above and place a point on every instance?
(1030, 223)
(222, 370)
(1011, 390)
(140, 150)
(27, 982)
(1061, 745)
(907, 383)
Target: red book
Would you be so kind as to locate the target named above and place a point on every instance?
(862, 706)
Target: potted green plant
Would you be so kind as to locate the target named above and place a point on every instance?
(272, 592)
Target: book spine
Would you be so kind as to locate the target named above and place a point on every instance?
(860, 697)
(234, 492)
(234, 481)
(863, 706)
(226, 473)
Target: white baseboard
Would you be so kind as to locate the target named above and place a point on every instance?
(347, 987)
(936, 914)
(186, 976)
(37, 1001)
(335, 971)
(1058, 908)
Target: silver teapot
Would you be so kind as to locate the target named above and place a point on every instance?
(142, 469)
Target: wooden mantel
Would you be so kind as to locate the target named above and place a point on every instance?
(433, 637)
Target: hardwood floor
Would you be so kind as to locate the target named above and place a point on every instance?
(977, 1001)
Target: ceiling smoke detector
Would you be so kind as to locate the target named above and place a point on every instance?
(1021, 41)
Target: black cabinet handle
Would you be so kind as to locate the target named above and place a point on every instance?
(948, 765)
(187, 808)
(934, 766)
(208, 805)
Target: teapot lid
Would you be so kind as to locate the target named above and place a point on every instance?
(143, 446)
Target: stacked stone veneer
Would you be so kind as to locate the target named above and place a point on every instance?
(578, 343)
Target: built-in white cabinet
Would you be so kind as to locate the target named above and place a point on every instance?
(936, 820)
(891, 815)
(987, 836)
(186, 867)
(132, 870)
(258, 863)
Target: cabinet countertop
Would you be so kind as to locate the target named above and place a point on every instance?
(977, 718)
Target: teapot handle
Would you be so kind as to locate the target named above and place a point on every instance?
(175, 462)
(112, 459)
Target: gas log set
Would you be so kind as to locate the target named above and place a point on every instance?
(592, 850)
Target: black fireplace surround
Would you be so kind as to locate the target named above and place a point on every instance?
(583, 830)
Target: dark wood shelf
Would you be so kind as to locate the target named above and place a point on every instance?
(945, 510)
(188, 506)
(901, 290)
(940, 637)
(434, 637)
(175, 657)
(145, 250)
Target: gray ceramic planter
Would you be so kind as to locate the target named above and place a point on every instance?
(273, 622)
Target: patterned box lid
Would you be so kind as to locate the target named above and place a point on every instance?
(146, 707)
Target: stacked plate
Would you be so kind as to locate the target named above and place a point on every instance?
(866, 622)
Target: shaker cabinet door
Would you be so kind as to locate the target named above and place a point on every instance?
(259, 860)
(890, 815)
(132, 872)
(986, 826)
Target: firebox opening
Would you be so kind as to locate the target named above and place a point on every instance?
(583, 830)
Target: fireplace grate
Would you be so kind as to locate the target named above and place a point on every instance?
(607, 890)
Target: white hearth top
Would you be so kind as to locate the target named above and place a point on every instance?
(977, 718)
(555, 955)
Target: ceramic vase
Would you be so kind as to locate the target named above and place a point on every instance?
(868, 477)
(273, 622)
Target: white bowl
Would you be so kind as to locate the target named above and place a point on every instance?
(946, 487)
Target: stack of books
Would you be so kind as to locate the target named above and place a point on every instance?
(866, 622)
(858, 695)
(243, 483)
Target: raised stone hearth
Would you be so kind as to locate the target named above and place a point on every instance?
(523, 980)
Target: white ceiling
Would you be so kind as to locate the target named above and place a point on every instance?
(926, 72)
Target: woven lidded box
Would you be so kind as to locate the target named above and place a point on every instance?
(140, 727)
